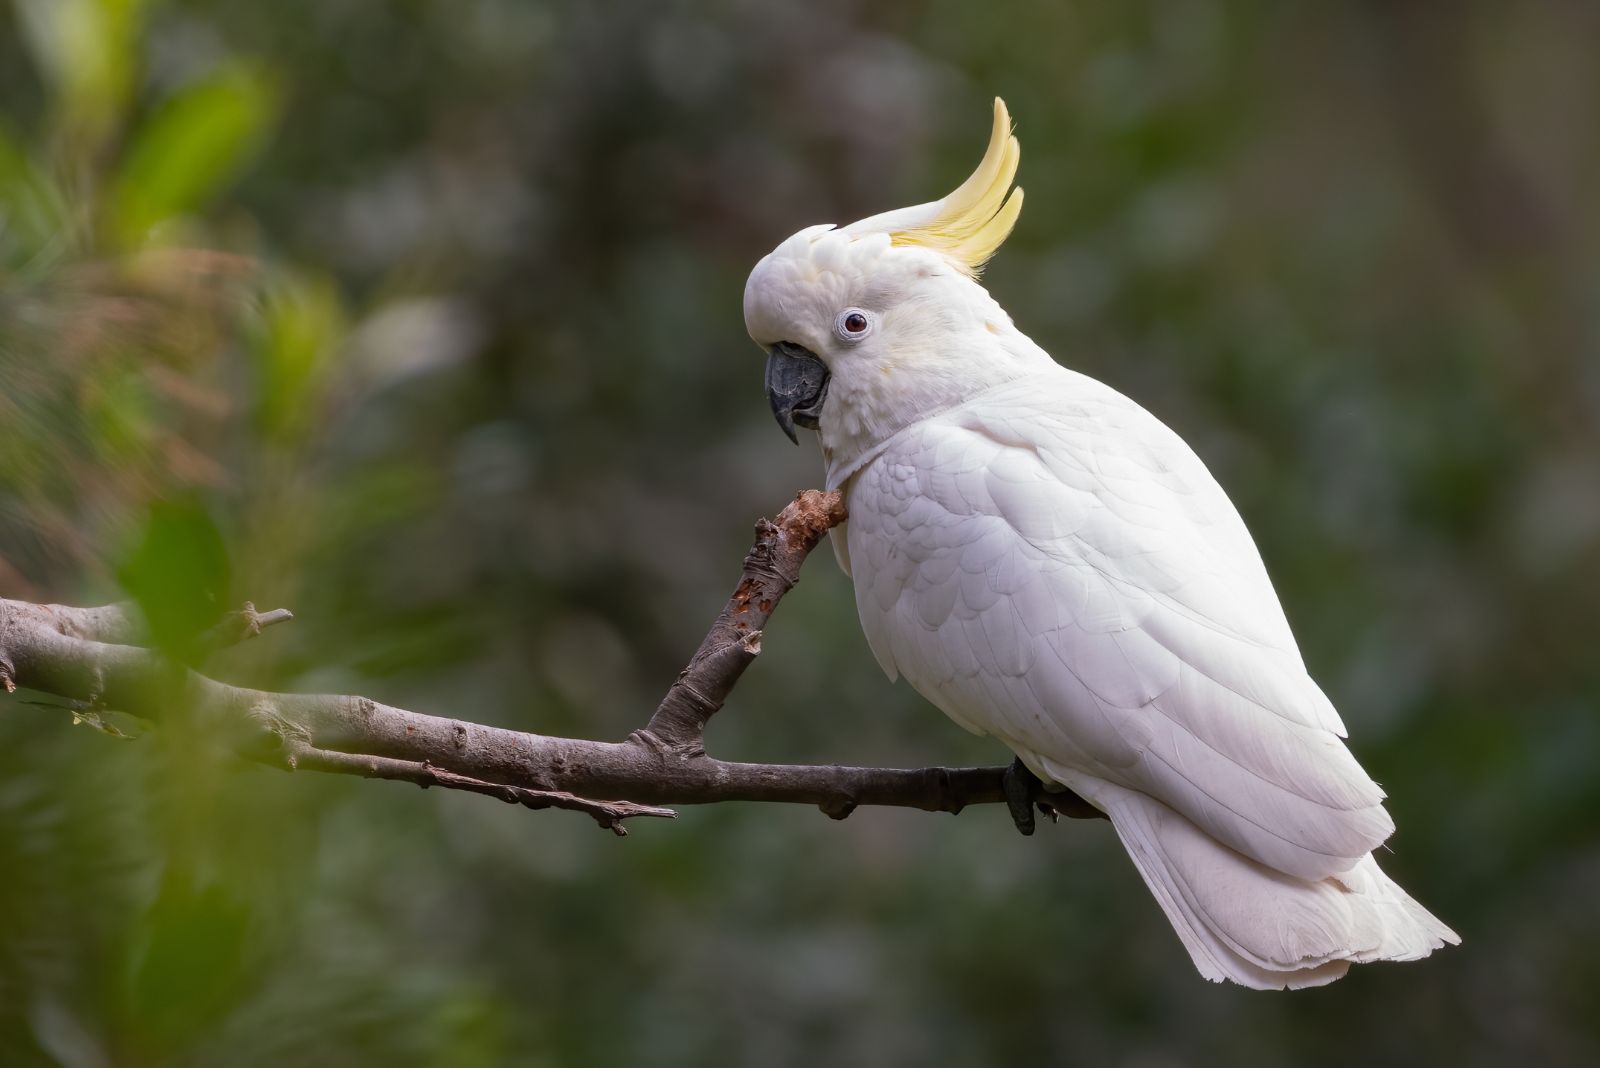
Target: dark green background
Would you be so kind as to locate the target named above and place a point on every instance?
(463, 380)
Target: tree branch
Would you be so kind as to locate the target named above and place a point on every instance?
(91, 656)
(120, 624)
(771, 569)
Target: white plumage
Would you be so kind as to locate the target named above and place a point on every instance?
(1048, 563)
(1088, 596)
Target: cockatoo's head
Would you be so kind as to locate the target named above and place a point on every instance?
(882, 322)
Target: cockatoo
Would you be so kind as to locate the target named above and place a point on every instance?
(1048, 563)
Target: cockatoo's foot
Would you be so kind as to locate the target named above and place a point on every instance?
(1024, 791)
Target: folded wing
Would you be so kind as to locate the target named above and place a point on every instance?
(1051, 565)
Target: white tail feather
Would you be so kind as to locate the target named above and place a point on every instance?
(1247, 923)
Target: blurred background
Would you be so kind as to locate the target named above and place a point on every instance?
(423, 319)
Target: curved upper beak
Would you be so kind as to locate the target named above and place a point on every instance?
(797, 385)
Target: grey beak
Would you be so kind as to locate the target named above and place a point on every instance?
(797, 385)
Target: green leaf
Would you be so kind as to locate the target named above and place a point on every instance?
(302, 325)
(89, 51)
(191, 148)
(178, 574)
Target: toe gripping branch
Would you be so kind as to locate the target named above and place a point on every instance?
(1025, 791)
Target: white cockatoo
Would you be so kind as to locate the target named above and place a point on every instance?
(1049, 564)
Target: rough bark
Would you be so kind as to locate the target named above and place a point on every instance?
(91, 657)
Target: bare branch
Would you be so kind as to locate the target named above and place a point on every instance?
(771, 570)
(120, 624)
(90, 656)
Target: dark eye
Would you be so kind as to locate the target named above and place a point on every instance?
(853, 324)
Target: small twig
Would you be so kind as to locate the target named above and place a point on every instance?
(608, 814)
(83, 713)
(242, 625)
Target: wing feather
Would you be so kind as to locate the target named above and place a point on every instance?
(1050, 564)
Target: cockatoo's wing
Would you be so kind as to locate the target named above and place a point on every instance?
(1050, 564)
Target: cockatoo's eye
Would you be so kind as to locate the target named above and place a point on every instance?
(853, 325)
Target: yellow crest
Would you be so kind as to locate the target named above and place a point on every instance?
(969, 225)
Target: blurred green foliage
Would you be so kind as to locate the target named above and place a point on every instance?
(186, 151)
(178, 574)
(423, 319)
